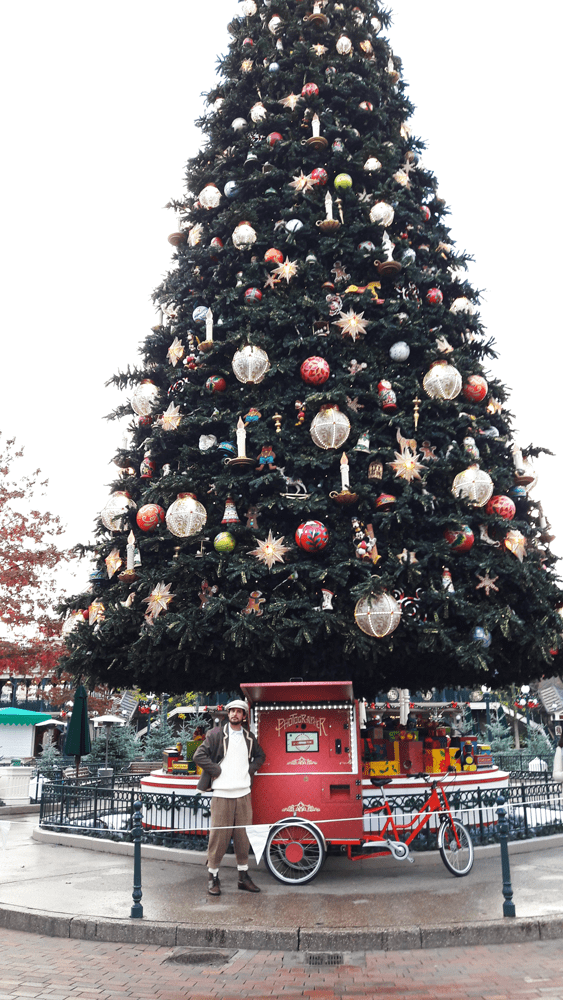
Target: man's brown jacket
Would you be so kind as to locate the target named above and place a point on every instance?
(211, 752)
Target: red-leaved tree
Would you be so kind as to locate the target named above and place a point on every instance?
(29, 557)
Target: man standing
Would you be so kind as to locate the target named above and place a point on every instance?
(228, 757)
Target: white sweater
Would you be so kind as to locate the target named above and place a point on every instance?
(234, 780)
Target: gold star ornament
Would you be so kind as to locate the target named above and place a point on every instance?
(302, 182)
(113, 562)
(406, 465)
(352, 324)
(171, 418)
(158, 601)
(175, 351)
(515, 542)
(270, 550)
(286, 270)
(291, 101)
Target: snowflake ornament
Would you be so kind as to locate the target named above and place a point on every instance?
(487, 583)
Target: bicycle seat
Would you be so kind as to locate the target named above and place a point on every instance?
(380, 782)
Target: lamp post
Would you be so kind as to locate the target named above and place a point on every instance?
(525, 702)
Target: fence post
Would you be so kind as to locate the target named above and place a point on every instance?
(508, 907)
(480, 808)
(137, 909)
(525, 808)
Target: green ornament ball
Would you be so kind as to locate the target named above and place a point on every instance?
(342, 182)
(224, 542)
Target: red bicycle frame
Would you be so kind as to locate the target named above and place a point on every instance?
(436, 803)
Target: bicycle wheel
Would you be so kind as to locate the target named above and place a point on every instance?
(294, 853)
(456, 847)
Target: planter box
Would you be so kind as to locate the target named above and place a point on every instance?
(14, 785)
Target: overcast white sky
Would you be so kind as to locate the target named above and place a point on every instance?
(99, 104)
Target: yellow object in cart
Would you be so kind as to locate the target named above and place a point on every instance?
(381, 768)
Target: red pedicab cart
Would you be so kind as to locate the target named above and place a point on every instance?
(309, 790)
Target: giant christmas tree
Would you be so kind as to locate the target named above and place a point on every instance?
(321, 479)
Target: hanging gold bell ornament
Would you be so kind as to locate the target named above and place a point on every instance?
(442, 381)
(144, 398)
(330, 428)
(378, 616)
(250, 364)
(473, 485)
(115, 511)
(186, 516)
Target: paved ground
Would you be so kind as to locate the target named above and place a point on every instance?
(53, 969)
(360, 899)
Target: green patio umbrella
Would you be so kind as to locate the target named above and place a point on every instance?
(77, 743)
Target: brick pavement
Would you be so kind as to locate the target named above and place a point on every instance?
(44, 968)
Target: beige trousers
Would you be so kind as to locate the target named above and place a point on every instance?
(226, 814)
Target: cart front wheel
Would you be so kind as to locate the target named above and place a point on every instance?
(456, 847)
(294, 853)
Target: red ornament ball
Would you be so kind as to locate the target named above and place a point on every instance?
(150, 516)
(248, 41)
(315, 371)
(476, 388)
(434, 296)
(216, 384)
(253, 295)
(459, 539)
(503, 506)
(146, 421)
(312, 536)
(274, 137)
(319, 176)
(273, 256)
(425, 212)
(217, 243)
(310, 90)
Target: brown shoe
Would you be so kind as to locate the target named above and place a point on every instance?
(245, 882)
(214, 886)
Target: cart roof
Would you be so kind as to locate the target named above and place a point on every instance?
(296, 691)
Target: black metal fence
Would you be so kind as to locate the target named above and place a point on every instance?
(99, 810)
(177, 820)
(524, 763)
(535, 809)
